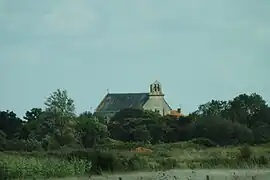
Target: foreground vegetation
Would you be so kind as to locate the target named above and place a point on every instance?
(55, 142)
(185, 155)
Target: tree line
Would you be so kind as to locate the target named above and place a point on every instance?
(243, 120)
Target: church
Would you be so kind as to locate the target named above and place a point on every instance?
(153, 100)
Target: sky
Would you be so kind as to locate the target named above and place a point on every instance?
(198, 50)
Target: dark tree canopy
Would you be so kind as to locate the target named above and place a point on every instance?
(10, 124)
(244, 119)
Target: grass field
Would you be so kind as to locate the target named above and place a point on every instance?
(181, 156)
(251, 174)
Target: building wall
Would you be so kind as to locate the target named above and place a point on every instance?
(157, 103)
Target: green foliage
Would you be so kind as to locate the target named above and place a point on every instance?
(21, 167)
(204, 142)
(130, 113)
(90, 131)
(245, 152)
(10, 124)
(3, 171)
(55, 135)
(245, 119)
(262, 160)
(59, 102)
(33, 114)
(108, 161)
(137, 163)
(213, 108)
(221, 131)
(244, 106)
(23, 145)
(167, 163)
(2, 140)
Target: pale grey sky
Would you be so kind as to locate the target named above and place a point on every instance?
(198, 49)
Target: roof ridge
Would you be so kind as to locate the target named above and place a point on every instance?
(129, 93)
(117, 101)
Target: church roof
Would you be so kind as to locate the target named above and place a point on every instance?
(117, 101)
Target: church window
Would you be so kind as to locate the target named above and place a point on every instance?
(155, 87)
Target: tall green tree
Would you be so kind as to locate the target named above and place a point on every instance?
(90, 131)
(60, 102)
(244, 106)
(55, 126)
(10, 124)
(221, 131)
(54, 130)
(260, 125)
(213, 108)
(32, 118)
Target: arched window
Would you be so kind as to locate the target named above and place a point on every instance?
(158, 88)
(155, 87)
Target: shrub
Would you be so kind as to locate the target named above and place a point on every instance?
(245, 152)
(261, 160)
(136, 163)
(204, 142)
(167, 163)
(3, 171)
(101, 160)
(23, 145)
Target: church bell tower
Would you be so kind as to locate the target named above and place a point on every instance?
(156, 89)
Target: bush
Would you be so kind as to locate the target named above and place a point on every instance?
(222, 131)
(3, 171)
(137, 163)
(261, 160)
(204, 142)
(23, 145)
(245, 152)
(101, 160)
(123, 146)
(167, 163)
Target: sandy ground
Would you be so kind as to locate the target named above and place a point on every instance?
(252, 174)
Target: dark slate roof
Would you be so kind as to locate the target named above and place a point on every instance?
(115, 102)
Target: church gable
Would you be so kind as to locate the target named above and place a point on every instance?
(118, 101)
(156, 100)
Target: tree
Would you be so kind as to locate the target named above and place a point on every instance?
(260, 125)
(10, 124)
(86, 114)
(127, 124)
(221, 131)
(33, 121)
(59, 102)
(33, 114)
(261, 132)
(124, 114)
(213, 108)
(141, 134)
(90, 131)
(52, 129)
(262, 115)
(244, 106)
